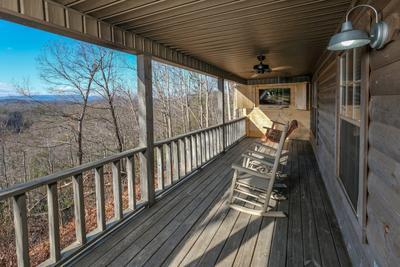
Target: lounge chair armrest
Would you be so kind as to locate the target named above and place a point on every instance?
(248, 171)
(264, 162)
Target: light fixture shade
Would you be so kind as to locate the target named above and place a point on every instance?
(348, 38)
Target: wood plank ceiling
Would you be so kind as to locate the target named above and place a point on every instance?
(230, 33)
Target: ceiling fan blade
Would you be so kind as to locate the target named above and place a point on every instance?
(282, 68)
(254, 75)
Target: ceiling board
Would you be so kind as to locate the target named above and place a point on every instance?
(230, 33)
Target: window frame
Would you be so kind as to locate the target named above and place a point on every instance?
(359, 213)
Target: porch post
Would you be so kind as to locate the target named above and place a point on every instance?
(146, 133)
(221, 110)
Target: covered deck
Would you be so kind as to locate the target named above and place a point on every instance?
(193, 225)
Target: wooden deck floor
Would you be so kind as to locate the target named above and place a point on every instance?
(192, 225)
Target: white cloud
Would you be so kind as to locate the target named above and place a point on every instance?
(7, 89)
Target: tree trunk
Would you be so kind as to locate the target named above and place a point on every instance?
(115, 122)
(80, 149)
(201, 104)
(4, 163)
(26, 178)
(206, 107)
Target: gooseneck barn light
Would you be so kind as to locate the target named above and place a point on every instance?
(349, 38)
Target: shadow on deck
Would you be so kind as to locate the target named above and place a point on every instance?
(192, 225)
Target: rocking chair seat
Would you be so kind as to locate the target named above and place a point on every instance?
(253, 182)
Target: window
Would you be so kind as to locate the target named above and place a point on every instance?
(274, 96)
(349, 124)
(350, 82)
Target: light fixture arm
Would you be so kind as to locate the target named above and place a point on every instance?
(363, 5)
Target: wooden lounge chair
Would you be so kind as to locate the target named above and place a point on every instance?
(254, 188)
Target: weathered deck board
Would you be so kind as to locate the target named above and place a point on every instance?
(192, 225)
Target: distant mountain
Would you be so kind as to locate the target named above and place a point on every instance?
(46, 98)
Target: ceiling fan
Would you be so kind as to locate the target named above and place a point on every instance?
(262, 68)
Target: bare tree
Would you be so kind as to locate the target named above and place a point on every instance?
(70, 70)
(109, 83)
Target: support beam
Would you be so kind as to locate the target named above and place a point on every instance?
(21, 229)
(146, 134)
(54, 222)
(221, 109)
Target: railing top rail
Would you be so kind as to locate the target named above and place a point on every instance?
(172, 139)
(58, 176)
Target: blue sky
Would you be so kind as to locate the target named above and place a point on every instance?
(19, 48)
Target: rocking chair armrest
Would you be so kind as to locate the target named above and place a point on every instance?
(264, 162)
(264, 155)
(248, 171)
(258, 143)
(278, 122)
(284, 153)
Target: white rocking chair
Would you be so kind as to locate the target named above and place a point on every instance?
(254, 187)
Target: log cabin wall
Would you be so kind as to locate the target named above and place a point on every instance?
(372, 235)
(259, 115)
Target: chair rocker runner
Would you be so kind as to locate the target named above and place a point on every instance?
(250, 186)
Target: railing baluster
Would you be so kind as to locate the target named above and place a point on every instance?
(193, 150)
(217, 140)
(79, 208)
(203, 148)
(206, 156)
(175, 165)
(210, 153)
(207, 145)
(188, 145)
(210, 143)
(214, 134)
(221, 138)
(160, 173)
(21, 229)
(54, 222)
(181, 149)
(100, 208)
(168, 164)
(117, 190)
(130, 173)
(198, 150)
(230, 134)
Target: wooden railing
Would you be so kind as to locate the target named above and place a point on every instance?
(178, 157)
(175, 159)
